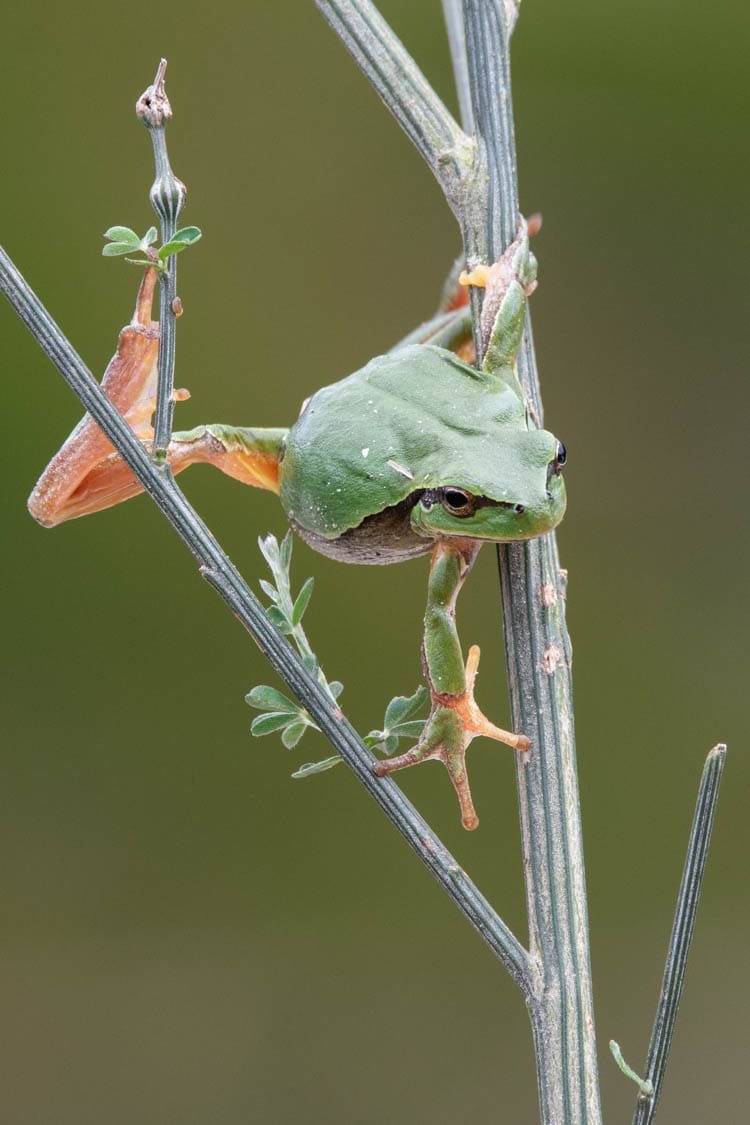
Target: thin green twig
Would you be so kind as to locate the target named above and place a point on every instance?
(682, 933)
(167, 199)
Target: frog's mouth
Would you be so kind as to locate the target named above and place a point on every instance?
(461, 504)
(453, 511)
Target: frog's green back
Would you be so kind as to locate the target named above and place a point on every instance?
(417, 418)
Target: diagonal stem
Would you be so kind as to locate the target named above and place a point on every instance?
(682, 933)
(223, 576)
(383, 59)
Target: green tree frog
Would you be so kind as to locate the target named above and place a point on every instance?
(417, 453)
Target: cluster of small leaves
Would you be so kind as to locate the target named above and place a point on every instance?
(286, 612)
(280, 713)
(123, 240)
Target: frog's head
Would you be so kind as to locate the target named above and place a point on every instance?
(522, 502)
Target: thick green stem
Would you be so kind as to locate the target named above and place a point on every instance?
(538, 659)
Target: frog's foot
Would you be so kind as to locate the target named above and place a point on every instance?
(454, 721)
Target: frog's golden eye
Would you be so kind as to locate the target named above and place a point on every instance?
(457, 502)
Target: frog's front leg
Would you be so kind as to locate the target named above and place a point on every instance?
(455, 718)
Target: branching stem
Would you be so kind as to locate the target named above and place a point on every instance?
(477, 174)
(220, 572)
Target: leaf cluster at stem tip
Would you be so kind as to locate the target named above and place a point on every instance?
(123, 240)
(280, 713)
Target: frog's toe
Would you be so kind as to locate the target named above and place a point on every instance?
(454, 760)
(474, 722)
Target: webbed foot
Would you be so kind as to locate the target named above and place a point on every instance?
(454, 721)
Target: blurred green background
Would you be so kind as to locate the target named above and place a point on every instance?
(188, 936)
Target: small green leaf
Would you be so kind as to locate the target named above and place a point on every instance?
(173, 247)
(159, 266)
(401, 706)
(317, 767)
(291, 735)
(274, 720)
(285, 551)
(269, 589)
(188, 235)
(311, 664)
(269, 548)
(335, 687)
(412, 729)
(149, 237)
(122, 234)
(303, 600)
(279, 619)
(265, 698)
(114, 249)
(390, 746)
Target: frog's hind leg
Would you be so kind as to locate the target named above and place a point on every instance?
(455, 719)
(86, 475)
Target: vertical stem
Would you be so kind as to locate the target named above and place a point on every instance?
(538, 657)
(167, 198)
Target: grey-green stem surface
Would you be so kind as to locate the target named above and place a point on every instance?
(681, 936)
(538, 655)
(485, 203)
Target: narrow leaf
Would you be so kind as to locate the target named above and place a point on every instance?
(188, 235)
(269, 548)
(292, 734)
(146, 262)
(173, 247)
(269, 589)
(285, 551)
(149, 237)
(317, 767)
(412, 729)
(401, 706)
(114, 249)
(390, 746)
(303, 600)
(122, 234)
(267, 724)
(279, 619)
(265, 698)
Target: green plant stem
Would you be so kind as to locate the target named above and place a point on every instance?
(381, 56)
(216, 567)
(538, 656)
(167, 197)
(485, 202)
(682, 933)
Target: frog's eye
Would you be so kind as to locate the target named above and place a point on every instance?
(457, 502)
(561, 456)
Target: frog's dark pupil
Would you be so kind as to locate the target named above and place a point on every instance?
(561, 455)
(455, 499)
(519, 508)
